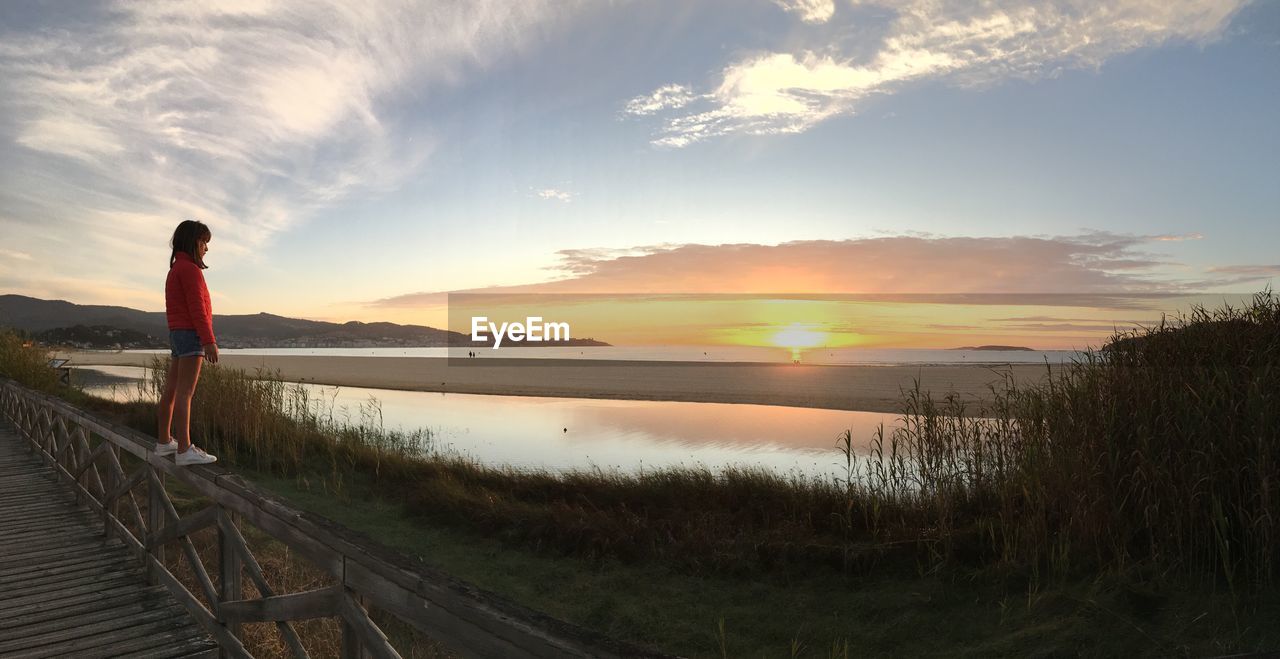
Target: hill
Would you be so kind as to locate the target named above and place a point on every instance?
(262, 330)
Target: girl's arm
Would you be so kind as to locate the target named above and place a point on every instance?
(198, 307)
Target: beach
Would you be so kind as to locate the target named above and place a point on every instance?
(862, 387)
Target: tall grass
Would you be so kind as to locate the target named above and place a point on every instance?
(28, 364)
(259, 421)
(1158, 450)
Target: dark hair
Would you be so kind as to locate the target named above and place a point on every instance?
(185, 238)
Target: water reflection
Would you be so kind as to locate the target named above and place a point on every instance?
(562, 433)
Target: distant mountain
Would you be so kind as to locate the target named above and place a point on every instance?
(261, 330)
(99, 337)
(998, 348)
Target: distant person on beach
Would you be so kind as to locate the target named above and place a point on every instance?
(191, 341)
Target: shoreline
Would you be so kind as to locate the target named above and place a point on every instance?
(864, 388)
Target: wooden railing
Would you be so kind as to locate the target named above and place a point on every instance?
(86, 451)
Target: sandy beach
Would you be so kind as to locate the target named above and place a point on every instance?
(865, 388)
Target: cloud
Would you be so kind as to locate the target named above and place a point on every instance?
(974, 270)
(555, 194)
(669, 97)
(810, 11)
(11, 254)
(1259, 271)
(1056, 319)
(765, 93)
(251, 116)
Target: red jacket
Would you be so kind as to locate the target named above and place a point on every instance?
(186, 299)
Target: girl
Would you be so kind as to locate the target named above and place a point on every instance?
(191, 340)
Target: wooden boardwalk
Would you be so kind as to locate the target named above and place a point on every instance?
(64, 590)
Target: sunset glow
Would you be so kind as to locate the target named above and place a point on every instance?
(361, 165)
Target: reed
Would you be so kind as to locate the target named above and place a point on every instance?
(1160, 448)
(1156, 451)
(25, 362)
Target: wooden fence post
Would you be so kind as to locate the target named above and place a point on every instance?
(228, 572)
(155, 515)
(351, 646)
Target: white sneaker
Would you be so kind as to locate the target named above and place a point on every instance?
(194, 456)
(167, 448)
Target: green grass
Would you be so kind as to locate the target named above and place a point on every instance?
(898, 608)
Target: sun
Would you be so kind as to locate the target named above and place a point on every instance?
(797, 337)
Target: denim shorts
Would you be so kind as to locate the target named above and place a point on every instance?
(184, 343)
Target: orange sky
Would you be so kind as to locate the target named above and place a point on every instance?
(827, 321)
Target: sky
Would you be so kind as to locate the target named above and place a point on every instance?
(360, 160)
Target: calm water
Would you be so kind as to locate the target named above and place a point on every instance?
(562, 433)
(697, 354)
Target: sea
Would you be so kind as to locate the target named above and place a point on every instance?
(565, 434)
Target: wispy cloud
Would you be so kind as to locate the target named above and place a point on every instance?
(809, 11)
(668, 97)
(1248, 270)
(965, 43)
(11, 254)
(252, 116)
(555, 194)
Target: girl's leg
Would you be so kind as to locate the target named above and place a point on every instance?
(164, 410)
(188, 372)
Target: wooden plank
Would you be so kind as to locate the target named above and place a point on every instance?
(93, 457)
(461, 634)
(39, 548)
(56, 568)
(151, 646)
(101, 644)
(119, 473)
(227, 525)
(133, 441)
(22, 500)
(42, 561)
(154, 648)
(188, 548)
(87, 629)
(135, 479)
(82, 441)
(51, 538)
(20, 468)
(17, 481)
(65, 532)
(26, 556)
(318, 603)
(259, 514)
(76, 606)
(17, 562)
(372, 640)
(16, 604)
(228, 642)
(53, 518)
(155, 512)
(52, 491)
(184, 527)
(228, 568)
(15, 514)
(71, 583)
(64, 618)
(62, 572)
(192, 649)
